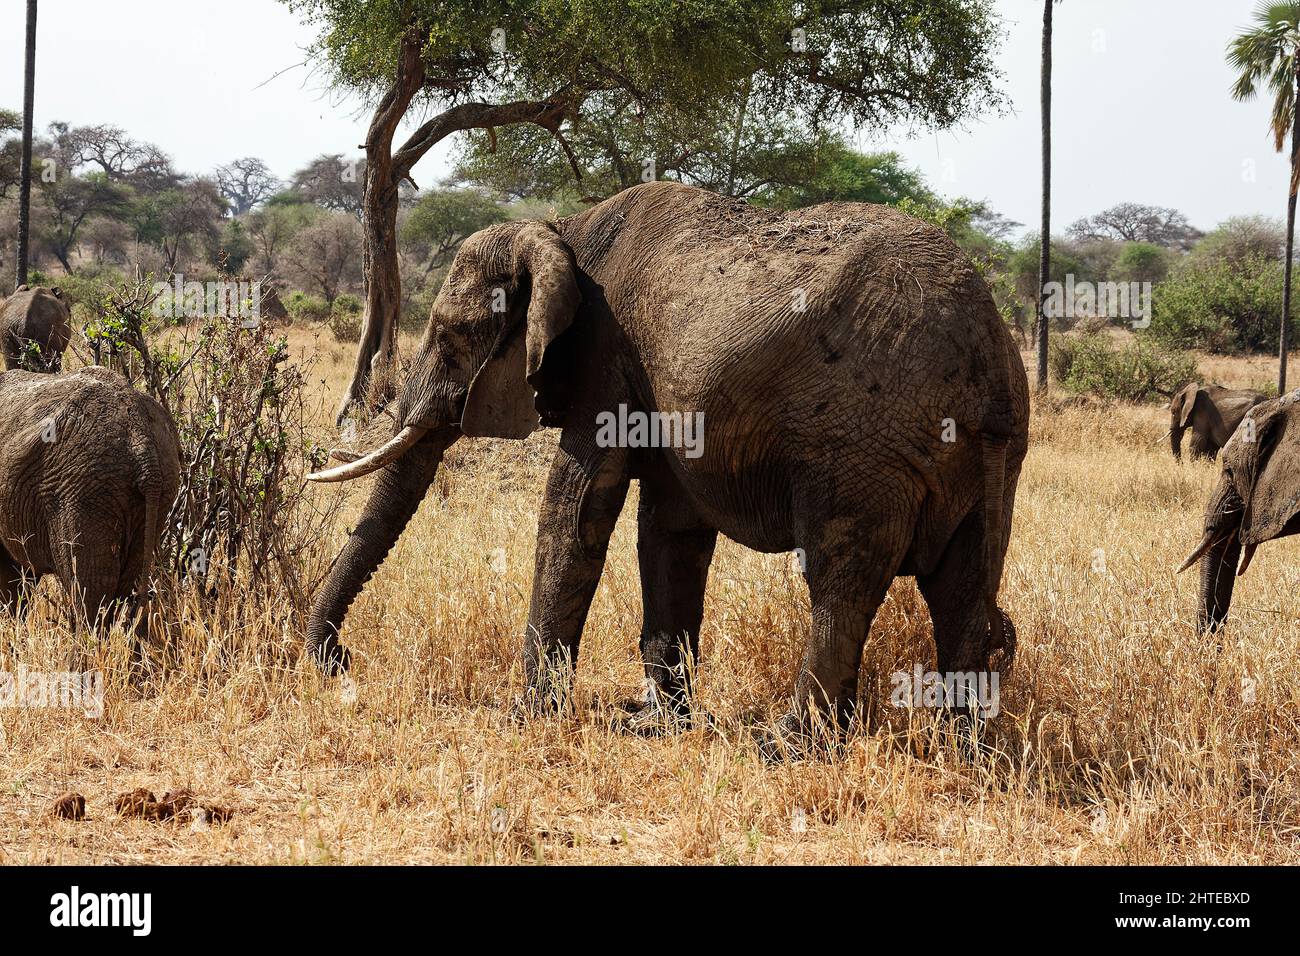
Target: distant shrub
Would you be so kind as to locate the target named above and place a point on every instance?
(1134, 372)
(1219, 305)
(345, 319)
(306, 308)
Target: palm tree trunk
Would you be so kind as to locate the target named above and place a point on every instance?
(1045, 230)
(25, 174)
(1284, 336)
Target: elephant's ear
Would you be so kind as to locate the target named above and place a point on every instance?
(512, 387)
(1263, 457)
(1186, 403)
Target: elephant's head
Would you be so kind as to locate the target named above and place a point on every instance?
(1257, 499)
(485, 368)
(35, 328)
(1184, 407)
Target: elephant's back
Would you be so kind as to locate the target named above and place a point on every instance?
(81, 437)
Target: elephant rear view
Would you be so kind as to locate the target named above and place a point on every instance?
(89, 468)
(35, 328)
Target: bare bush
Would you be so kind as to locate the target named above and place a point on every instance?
(244, 530)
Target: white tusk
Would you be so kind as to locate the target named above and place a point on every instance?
(385, 454)
(1201, 548)
(1246, 555)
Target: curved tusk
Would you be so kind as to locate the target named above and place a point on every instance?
(346, 455)
(1195, 556)
(1246, 555)
(385, 454)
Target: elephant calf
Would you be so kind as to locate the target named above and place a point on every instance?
(35, 327)
(89, 468)
(1212, 412)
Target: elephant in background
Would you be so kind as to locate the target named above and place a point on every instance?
(1257, 499)
(1212, 412)
(857, 397)
(89, 468)
(35, 328)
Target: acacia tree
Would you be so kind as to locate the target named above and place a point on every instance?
(1270, 54)
(485, 64)
(245, 182)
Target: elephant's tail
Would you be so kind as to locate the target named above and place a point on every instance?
(994, 451)
(149, 482)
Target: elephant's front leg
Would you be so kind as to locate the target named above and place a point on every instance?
(584, 495)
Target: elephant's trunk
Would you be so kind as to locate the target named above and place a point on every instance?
(1218, 574)
(397, 493)
(1176, 442)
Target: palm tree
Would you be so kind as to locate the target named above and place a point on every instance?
(1269, 53)
(25, 172)
(1045, 231)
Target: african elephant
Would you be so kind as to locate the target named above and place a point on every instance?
(835, 380)
(1257, 499)
(1212, 412)
(35, 327)
(89, 468)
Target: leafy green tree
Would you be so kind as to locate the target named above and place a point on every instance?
(70, 201)
(1141, 262)
(840, 173)
(493, 64)
(1269, 54)
(272, 227)
(1219, 305)
(731, 146)
(441, 220)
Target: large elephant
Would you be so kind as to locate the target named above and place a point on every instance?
(89, 468)
(35, 328)
(1212, 412)
(835, 380)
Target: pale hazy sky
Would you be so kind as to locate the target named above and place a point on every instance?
(1140, 101)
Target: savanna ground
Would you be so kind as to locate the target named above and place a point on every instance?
(1123, 738)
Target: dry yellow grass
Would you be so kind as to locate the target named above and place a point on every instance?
(1123, 738)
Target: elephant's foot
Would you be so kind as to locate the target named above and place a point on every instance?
(796, 737)
(657, 714)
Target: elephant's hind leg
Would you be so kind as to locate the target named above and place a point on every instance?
(850, 567)
(956, 594)
(674, 551)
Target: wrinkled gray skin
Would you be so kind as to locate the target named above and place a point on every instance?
(35, 328)
(1257, 500)
(863, 401)
(1212, 412)
(89, 468)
